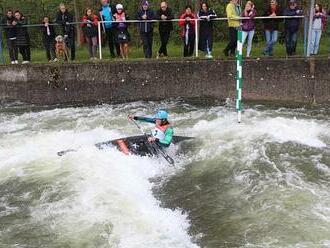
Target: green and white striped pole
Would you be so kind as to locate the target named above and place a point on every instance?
(239, 76)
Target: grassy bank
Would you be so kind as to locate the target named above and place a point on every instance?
(176, 51)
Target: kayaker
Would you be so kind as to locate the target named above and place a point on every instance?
(163, 131)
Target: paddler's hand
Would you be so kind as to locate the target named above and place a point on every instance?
(151, 139)
(131, 117)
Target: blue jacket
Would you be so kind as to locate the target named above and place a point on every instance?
(106, 14)
(145, 27)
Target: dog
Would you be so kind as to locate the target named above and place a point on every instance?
(61, 49)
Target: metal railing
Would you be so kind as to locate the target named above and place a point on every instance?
(307, 35)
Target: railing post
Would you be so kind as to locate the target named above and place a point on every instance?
(196, 37)
(100, 38)
(239, 76)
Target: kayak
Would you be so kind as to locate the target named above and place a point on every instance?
(137, 145)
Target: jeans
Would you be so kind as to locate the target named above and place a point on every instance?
(232, 45)
(50, 48)
(291, 42)
(12, 49)
(315, 41)
(1, 47)
(110, 35)
(164, 38)
(271, 39)
(147, 39)
(249, 35)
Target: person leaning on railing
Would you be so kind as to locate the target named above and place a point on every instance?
(164, 15)
(122, 35)
(318, 25)
(10, 33)
(233, 12)
(206, 29)
(248, 25)
(48, 35)
(291, 26)
(145, 14)
(89, 27)
(64, 18)
(187, 22)
(271, 26)
(23, 38)
(106, 14)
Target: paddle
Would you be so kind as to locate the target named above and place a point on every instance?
(154, 145)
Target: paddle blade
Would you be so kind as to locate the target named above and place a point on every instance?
(61, 153)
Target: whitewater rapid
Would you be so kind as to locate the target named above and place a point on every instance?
(90, 198)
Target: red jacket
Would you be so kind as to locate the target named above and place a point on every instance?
(191, 23)
(93, 18)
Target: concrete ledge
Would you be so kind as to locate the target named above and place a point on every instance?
(278, 80)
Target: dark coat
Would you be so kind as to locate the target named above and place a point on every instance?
(205, 26)
(51, 36)
(22, 34)
(63, 19)
(165, 26)
(292, 25)
(273, 23)
(145, 27)
(249, 24)
(10, 30)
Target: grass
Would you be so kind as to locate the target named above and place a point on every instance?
(176, 51)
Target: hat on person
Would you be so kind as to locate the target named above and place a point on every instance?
(145, 3)
(161, 114)
(292, 1)
(119, 6)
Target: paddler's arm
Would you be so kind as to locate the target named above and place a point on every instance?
(168, 137)
(144, 119)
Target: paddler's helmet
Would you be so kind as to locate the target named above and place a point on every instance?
(161, 114)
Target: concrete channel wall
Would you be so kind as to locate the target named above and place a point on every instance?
(295, 80)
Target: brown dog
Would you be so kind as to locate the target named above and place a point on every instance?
(61, 49)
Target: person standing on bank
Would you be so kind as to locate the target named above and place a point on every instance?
(64, 18)
(206, 29)
(187, 22)
(10, 32)
(106, 14)
(271, 26)
(319, 23)
(164, 14)
(291, 27)
(23, 38)
(121, 27)
(146, 28)
(89, 28)
(233, 11)
(48, 37)
(248, 26)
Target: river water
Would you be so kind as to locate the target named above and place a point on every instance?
(262, 183)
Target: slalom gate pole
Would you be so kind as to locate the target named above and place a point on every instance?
(239, 76)
(100, 38)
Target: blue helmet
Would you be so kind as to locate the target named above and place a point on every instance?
(161, 114)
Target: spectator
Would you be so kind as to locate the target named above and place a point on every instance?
(248, 25)
(122, 34)
(291, 27)
(187, 22)
(106, 14)
(233, 11)
(10, 33)
(319, 23)
(22, 35)
(49, 35)
(271, 27)
(89, 27)
(64, 18)
(164, 14)
(146, 28)
(206, 29)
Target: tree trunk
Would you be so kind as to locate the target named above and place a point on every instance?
(77, 19)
